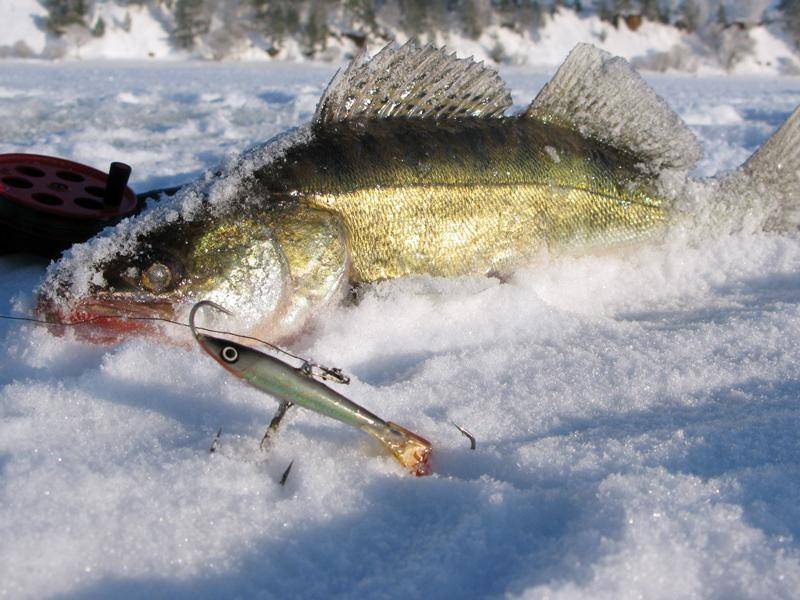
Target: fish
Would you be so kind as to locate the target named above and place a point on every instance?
(412, 165)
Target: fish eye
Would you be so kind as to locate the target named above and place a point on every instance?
(157, 277)
(230, 354)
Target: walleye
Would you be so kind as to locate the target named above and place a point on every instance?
(410, 166)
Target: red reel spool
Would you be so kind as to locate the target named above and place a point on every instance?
(47, 203)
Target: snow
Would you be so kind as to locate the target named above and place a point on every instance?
(771, 53)
(20, 19)
(132, 32)
(566, 29)
(636, 412)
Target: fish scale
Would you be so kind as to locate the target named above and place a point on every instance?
(474, 195)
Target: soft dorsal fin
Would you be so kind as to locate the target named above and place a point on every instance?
(774, 174)
(411, 82)
(604, 98)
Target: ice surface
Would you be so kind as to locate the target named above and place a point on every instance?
(636, 413)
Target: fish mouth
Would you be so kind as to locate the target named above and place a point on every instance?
(106, 319)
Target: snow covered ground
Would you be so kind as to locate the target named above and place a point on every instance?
(637, 414)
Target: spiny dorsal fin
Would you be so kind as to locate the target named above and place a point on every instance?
(411, 82)
(604, 98)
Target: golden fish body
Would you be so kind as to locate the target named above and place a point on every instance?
(461, 197)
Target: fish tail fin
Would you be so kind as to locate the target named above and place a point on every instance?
(772, 176)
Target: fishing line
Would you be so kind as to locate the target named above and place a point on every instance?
(90, 320)
(328, 373)
(333, 374)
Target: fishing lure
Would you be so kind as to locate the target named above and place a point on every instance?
(301, 386)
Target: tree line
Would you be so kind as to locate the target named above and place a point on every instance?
(311, 23)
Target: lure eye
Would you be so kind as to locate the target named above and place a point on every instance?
(229, 354)
(157, 277)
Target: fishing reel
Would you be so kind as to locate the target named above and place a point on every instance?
(47, 203)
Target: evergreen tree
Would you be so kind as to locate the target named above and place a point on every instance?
(791, 14)
(190, 21)
(441, 14)
(316, 28)
(227, 29)
(277, 18)
(261, 18)
(99, 28)
(606, 11)
(655, 11)
(415, 17)
(63, 13)
(498, 52)
(530, 15)
(650, 10)
(472, 19)
(363, 10)
(730, 44)
(621, 8)
(722, 15)
(690, 15)
(748, 13)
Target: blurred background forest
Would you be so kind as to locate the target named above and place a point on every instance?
(686, 35)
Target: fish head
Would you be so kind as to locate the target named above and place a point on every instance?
(124, 284)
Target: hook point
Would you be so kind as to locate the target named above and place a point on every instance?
(467, 434)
